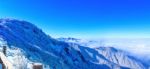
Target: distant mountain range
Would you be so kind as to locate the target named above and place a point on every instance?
(27, 44)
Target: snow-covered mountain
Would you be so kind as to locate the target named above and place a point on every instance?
(138, 47)
(27, 44)
(106, 48)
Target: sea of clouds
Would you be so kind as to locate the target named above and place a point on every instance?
(139, 47)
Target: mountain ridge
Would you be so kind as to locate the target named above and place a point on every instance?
(31, 43)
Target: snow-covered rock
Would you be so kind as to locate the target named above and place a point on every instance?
(26, 44)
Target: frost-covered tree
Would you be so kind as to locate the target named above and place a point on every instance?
(20, 61)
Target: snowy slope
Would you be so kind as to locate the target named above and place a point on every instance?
(27, 44)
(117, 56)
(137, 47)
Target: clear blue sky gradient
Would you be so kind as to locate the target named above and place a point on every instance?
(83, 18)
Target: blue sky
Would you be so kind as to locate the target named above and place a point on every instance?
(83, 18)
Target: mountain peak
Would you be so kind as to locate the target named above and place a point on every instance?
(16, 25)
(35, 46)
(5, 20)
